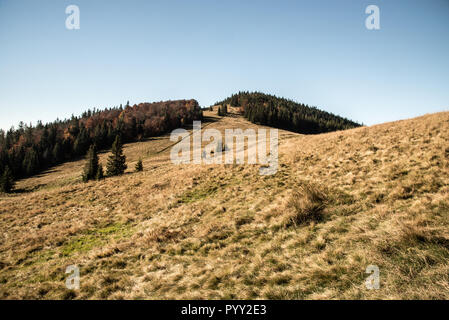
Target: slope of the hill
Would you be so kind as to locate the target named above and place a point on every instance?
(213, 231)
(283, 113)
(29, 150)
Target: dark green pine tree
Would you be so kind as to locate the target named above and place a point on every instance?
(117, 160)
(58, 153)
(91, 168)
(7, 181)
(30, 163)
(100, 173)
(139, 166)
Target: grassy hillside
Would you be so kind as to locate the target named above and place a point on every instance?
(339, 202)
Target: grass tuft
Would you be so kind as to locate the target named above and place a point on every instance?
(307, 205)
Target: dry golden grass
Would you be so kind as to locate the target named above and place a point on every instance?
(308, 203)
(376, 195)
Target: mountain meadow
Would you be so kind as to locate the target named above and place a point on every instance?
(344, 197)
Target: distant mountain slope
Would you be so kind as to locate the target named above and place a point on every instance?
(286, 114)
(28, 150)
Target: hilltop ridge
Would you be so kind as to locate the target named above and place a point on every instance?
(286, 114)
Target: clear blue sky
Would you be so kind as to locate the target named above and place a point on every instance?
(317, 52)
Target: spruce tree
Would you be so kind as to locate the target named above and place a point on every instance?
(139, 166)
(6, 181)
(100, 173)
(30, 162)
(91, 168)
(58, 155)
(117, 160)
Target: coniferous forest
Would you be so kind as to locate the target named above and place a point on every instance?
(30, 149)
(286, 114)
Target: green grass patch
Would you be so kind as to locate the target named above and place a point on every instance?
(96, 237)
(198, 194)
